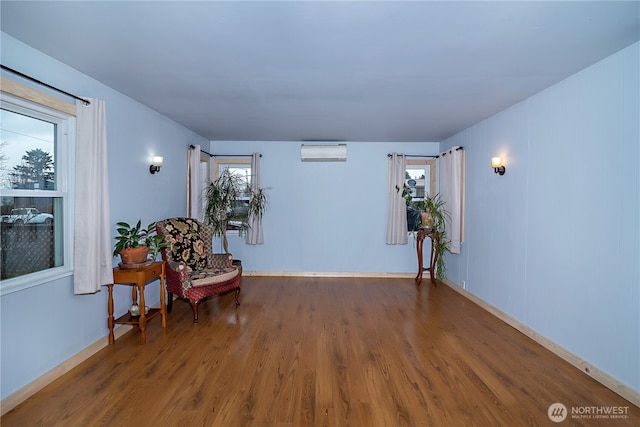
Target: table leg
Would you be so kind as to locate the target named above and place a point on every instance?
(435, 244)
(163, 309)
(143, 318)
(419, 241)
(110, 311)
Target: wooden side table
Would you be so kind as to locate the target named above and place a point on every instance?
(423, 233)
(137, 278)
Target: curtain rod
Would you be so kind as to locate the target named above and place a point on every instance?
(222, 155)
(416, 155)
(457, 149)
(11, 70)
(201, 150)
(433, 157)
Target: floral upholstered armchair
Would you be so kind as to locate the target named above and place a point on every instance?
(193, 271)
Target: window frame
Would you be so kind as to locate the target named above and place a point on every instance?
(217, 162)
(33, 103)
(428, 164)
(430, 187)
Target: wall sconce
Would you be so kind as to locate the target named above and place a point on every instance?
(496, 164)
(156, 162)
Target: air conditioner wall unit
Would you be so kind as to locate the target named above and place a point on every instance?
(323, 152)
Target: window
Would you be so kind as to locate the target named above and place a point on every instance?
(36, 145)
(420, 180)
(240, 167)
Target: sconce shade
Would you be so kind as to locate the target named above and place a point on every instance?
(156, 162)
(496, 164)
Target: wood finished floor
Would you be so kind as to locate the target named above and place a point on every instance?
(322, 352)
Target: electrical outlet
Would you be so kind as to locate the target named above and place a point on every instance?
(464, 284)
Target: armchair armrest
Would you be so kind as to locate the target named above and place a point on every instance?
(176, 271)
(176, 266)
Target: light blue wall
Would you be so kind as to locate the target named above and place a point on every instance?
(553, 244)
(45, 325)
(555, 241)
(325, 216)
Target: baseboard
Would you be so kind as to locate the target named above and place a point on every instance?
(381, 275)
(13, 400)
(611, 383)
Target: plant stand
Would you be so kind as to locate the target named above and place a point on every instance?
(435, 244)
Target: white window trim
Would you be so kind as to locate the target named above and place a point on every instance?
(65, 158)
(229, 161)
(431, 164)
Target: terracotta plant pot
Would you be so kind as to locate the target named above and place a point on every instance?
(134, 255)
(427, 221)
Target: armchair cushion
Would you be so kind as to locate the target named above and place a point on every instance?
(184, 243)
(211, 276)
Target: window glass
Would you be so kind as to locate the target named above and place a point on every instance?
(420, 182)
(240, 210)
(29, 236)
(27, 152)
(32, 203)
(415, 177)
(420, 178)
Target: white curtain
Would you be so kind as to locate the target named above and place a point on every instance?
(254, 234)
(194, 192)
(452, 194)
(397, 220)
(92, 258)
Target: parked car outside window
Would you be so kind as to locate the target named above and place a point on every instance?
(20, 216)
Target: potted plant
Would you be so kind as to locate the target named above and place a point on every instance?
(231, 200)
(134, 243)
(436, 212)
(413, 212)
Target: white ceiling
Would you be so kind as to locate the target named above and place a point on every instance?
(302, 70)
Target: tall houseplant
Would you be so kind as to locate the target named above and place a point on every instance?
(229, 199)
(437, 213)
